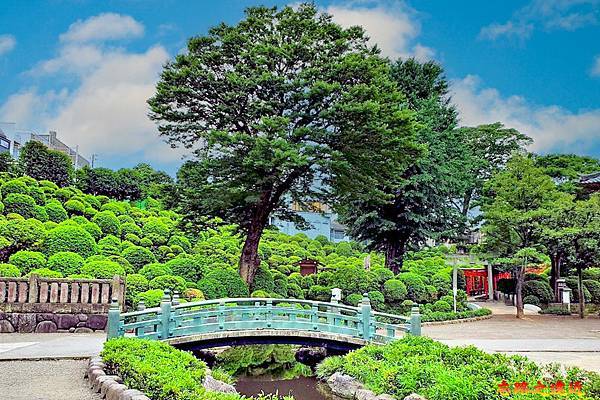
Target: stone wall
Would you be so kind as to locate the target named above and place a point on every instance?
(51, 322)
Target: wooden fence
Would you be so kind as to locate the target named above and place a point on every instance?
(60, 295)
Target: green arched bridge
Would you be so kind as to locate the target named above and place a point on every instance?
(237, 321)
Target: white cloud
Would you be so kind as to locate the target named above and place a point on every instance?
(596, 67)
(7, 43)
(553, 128)
(107, 26)
(546, 14)
(392, 26)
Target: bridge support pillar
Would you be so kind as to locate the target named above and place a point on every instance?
(365, 311)
(415, 321)
(165, 315)
(114, 316)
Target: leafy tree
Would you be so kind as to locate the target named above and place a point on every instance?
(566, 169)
(275, 102)
(6, 162)
(515, 202)
(41, 163)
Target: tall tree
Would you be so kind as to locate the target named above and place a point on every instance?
(515, 202)
(566, 169)
(274, 102)
(39, 162)
(415, 205)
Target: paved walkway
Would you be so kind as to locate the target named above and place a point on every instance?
(34, 346)
(543, 338)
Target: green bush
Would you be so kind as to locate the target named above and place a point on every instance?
(351, 278)
(108, 223)
(539, 289)
(155, 226)
(102, 269)
(28, 260)
(531, 299)
(55, 211)
(153, 270)
(21, 204)
(69, 238)
(74, 207)
(319, 293)
(295, 291)
(185, 266)
(415, 287)
(151, 298)
(572, 283)
(9, 271)
(594, 289)
(354, 299)
(394, 291)
(377, 300)
(40, 213)
(556, 310)
(130, 228)
(14, 186)
(230, 279)
(170, 282)
(110, 245)
(182, 241)
(66, 262)
(263, 280)
(212, 288)
(45, 273)
(591, 274)
(138, 256)
(441, 306)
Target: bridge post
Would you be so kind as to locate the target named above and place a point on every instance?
(165, 315)
(221, 315)
(140, 331)
(415, 321)
(114, 318)
(365, 311)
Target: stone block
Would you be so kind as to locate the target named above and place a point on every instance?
(385, 397)
(129, 394)
(106, 384)
(115, 391)
(364, 394)
(214, 385)
(66, 321)
(26, 323)
(46, 327)
(414, 396)
(100, 380)
(94, 375)
(96, 322)
(6, 326)
(82, 317)
(343, 385)
(83, 329)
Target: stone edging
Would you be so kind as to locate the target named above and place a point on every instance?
(348, 387)
(110, 387)
(457, 321)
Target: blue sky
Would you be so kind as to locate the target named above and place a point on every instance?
(85, 68)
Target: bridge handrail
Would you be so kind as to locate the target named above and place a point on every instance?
(391, 316)
(265, 300)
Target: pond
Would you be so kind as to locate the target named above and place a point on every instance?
(302, 388)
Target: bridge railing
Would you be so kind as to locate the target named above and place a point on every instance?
(172, 319)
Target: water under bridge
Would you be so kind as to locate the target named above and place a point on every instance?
(242, 321)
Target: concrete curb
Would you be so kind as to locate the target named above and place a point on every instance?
(110, 387)
(457, 321)
(50, 358)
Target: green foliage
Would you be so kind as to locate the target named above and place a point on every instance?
(69, 238)
(531, 299)
(28, 260)
(263, 280)
(138, 256)
(74, 207)
(153, 270)
(108, 222)
(170, 282)
(45, 273)
(55, 211)
(151, 298)
(395, 291)
(102, 269)
(228, 280)
(593, 288)
(354, 299)
(539, 289)
(186, 267)
(319, 293)
(41, 163)
(415, 286)
(441, 306)
(13, 186)
(21, 204)
(66, 262)
(9, 271)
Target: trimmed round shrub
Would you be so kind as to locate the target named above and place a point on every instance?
(415, 286)
(116, 207)
(45, 273)
(319, 293)
(108, 223)
(28, 260)
(154, 226)
(138, 256)
(146, 242)
(379, 275)
(539, 289)
(151, 298)
(377, 300)
(123, 263)
(591, 274)
(186, 267)
(281, 286)
(258, 294)
(21, 204)
(441, 306)
(325, 278)
(110, 245)
(594, 288)
(14, 186)
(295, 291)
(24, 233)
(182, 241)
(394, 291)
(41, 214)
(170, 282)
(354, 299)
(351, 278)
(69, 238)
(102, 269)
(66, 262)
(55, 211)
(130, 228)
(74, 207)
(227, 282)
(151, 271)
(212, 288)
(38, 195)
(532, 300)
(263, 280)
(9, 271)
(193, 294)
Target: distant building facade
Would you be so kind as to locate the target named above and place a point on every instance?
(52, 142)
(590, 182)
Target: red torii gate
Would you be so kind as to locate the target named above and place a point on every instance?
(476, 280)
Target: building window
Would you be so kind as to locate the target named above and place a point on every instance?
(337, 234)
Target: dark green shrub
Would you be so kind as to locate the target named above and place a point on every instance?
(263, 280)
(185, 266)
(227, 282)
(102, 269)
(74, 207)
(556, 310)
(55, 211)
(572, 283)
(591, 274)
(108, 222)
(415, 287)
(151, 298)
(66, 262)
(180, 241)
(507, 286)
(28, 260)
(319, 293)
(281, 286)
(325, 278)
(151, 271)
(441, 306)
(9, 271)
(175, 284)
(354, 299)
(155, 226)
(41, 214)
(69, 238)
(138, 256)
(394, 291)
(539, 289)
(351, 279)
(45, 273)
(21, 204)
(130, 228)
(295, 291)
(377, 300)
(158, 369)
(379, 275)
(594, 288)
(13, 186)
(531, 299)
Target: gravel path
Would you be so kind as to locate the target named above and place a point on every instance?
(44, 380)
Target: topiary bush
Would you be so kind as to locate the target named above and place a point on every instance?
(151, 298)
(155, 226)
(69, 238)
(441, 306)
(377, 300)
(45, 273)
(28, 260)
(9, 271)
(415, 287)
(102, 269)
(593, 288)
(21, 204)
(354, 299)
(55, 211)
(65, 262)
(138, 256)
(263, 280)
(74, 207)
(319, 293)
(533, 300)
(394, 291)
(539, 289)
(185, 266)
(175, 284)
(223, 282)
(108, 223)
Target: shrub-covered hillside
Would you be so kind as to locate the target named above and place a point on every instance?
(63, 232)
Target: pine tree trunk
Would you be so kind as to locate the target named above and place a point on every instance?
(394, 255)
(580, 291)
(556, 261)
(519, 291)
(249, 259)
